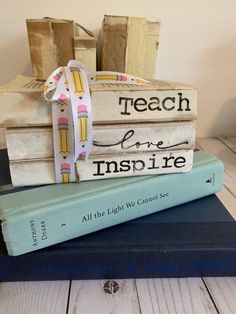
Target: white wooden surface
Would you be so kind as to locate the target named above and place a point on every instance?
(185, 295)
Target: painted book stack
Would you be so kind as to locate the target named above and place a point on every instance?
(137, 130)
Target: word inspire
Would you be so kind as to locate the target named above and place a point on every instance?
(133, 165)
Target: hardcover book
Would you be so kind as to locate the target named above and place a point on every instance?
(22, 103)
(194, 239)
(44, 216)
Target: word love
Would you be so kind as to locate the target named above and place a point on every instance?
(128, 142)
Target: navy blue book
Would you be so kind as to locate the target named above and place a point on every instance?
(197, 238)
(194, 239)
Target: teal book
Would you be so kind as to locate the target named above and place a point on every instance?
(43, 216)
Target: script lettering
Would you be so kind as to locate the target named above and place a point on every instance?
(127, 143)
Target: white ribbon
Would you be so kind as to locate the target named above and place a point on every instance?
(68, 90)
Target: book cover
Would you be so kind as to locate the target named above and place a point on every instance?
(41, 217)
(111, 103)
(194, 239)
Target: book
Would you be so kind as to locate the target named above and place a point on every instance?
(37, 142)
(22, 103)
(44, 216)
(129, 44)
(86, 52)
(42, 171)
(51, 44)
(194, 239)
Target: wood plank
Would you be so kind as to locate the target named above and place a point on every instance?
(223, 291)
(184, 295)
(229, 201)
(228, 193)
(2, 138)
(34, 297)
(217, 148)
(90, 297)
(229, 142)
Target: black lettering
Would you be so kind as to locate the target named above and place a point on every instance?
(166, 161)
(172, 99)
(124, 101)
(179, 160)
(99, 173)
(156, 102)
(181, 100)
(140, 102)
(153, 160)
(135, 162)
(109, 163)
(124, 165)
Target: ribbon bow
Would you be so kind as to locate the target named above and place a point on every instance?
(68, 90)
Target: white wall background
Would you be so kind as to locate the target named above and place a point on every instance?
(197, 45)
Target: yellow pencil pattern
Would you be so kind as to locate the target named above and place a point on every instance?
(77, 80)
(65, 172)
(83, 122)
(111, 77)
(63, 132)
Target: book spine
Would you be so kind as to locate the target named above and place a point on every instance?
(57, 222)
(31, 143)
(41, 171)
(145, 105)
(85, 52)
(76, 265)
(109, 106)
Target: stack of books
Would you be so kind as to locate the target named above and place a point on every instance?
(151, 130)
(137, 130)
(143, 145)
(194, 237)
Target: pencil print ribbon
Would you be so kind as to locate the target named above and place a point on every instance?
(67, 88)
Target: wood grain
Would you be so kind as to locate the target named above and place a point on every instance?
(34, 297)
(217, 148)
(223, 291)
(90, 297)
(230, 142)
(184, 295)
